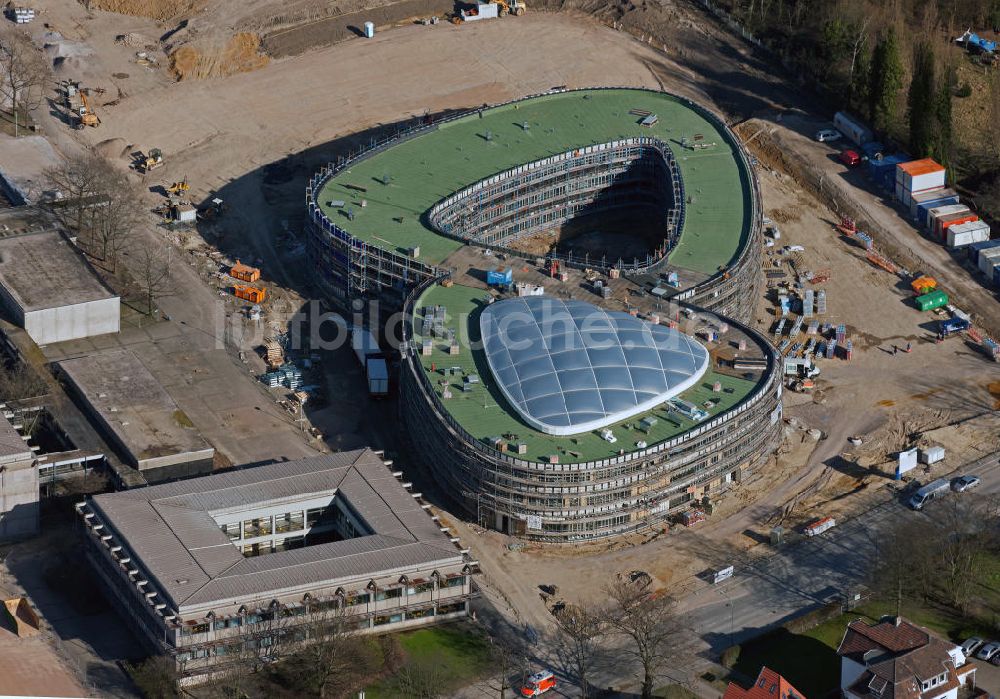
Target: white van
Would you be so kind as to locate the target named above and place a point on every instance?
(929, 492)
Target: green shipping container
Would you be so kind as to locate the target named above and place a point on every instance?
(935, 299)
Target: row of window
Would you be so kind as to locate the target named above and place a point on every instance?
(352, 599)
(299, 635)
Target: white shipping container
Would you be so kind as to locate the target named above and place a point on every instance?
(929, 175)
(968, 233)
(987, 260)
(921, 183)
(931, 455)
(941, 211)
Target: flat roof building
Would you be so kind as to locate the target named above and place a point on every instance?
(204, 563)
(137, 414)
(49, 289)
(18, 483)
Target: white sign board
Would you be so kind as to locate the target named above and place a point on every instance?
(722, 574)
(534, 522)
(907, 462)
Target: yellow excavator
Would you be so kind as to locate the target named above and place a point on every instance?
(152, 160)
(178, 188)
(86, 114)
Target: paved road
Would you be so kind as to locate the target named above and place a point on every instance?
(810, 572)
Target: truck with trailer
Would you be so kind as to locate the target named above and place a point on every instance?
(372, 360)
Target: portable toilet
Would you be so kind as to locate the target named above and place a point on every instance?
(369, 30)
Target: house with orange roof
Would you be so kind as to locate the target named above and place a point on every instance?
(769, 685)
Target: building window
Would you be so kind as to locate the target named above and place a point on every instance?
(289, 522)
(194, 628)
(358, 598)
(313, 516)
(457, 581)
(420, 613)
(421, 587)
(451, 608)
(257, 549)
(232, 530)
(391, 593)
(256, 527)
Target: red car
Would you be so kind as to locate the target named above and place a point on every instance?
(850, 158)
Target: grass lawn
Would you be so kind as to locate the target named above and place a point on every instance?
(400, 184)
(485, 413)
(460, 650)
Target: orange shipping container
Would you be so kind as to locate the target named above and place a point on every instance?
(948, 222)
(244, 272)
(249, 293)
(915, 168)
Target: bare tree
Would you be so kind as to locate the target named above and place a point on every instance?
(580, 630)
(24, 72)
(647, 619)
(422, 677)
(329, 657)
(76, 182)
(97, 202)
(156, 677)
(20, 381)
(507, 655)
(151, 270)
(115, 215)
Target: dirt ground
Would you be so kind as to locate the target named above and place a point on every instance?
(29, 667)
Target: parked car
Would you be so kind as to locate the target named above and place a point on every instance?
(850, 158)
(971, 645)
(963, 483)
(989, 651)
(824, 135)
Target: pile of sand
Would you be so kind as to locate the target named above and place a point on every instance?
(240, 55)
(133, 40)
(155, 9)
(113, 149)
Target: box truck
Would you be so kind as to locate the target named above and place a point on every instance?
(372, 360)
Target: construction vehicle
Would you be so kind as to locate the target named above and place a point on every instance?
(85, 113)
(178, 188)
(513, 7)
(151, 160)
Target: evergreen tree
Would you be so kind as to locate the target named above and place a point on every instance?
(922, 102)
(942, 113)
(885, 80)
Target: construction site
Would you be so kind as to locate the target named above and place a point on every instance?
(474, 176)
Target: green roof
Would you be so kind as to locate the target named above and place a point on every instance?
(404, 181)
(484, 413)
